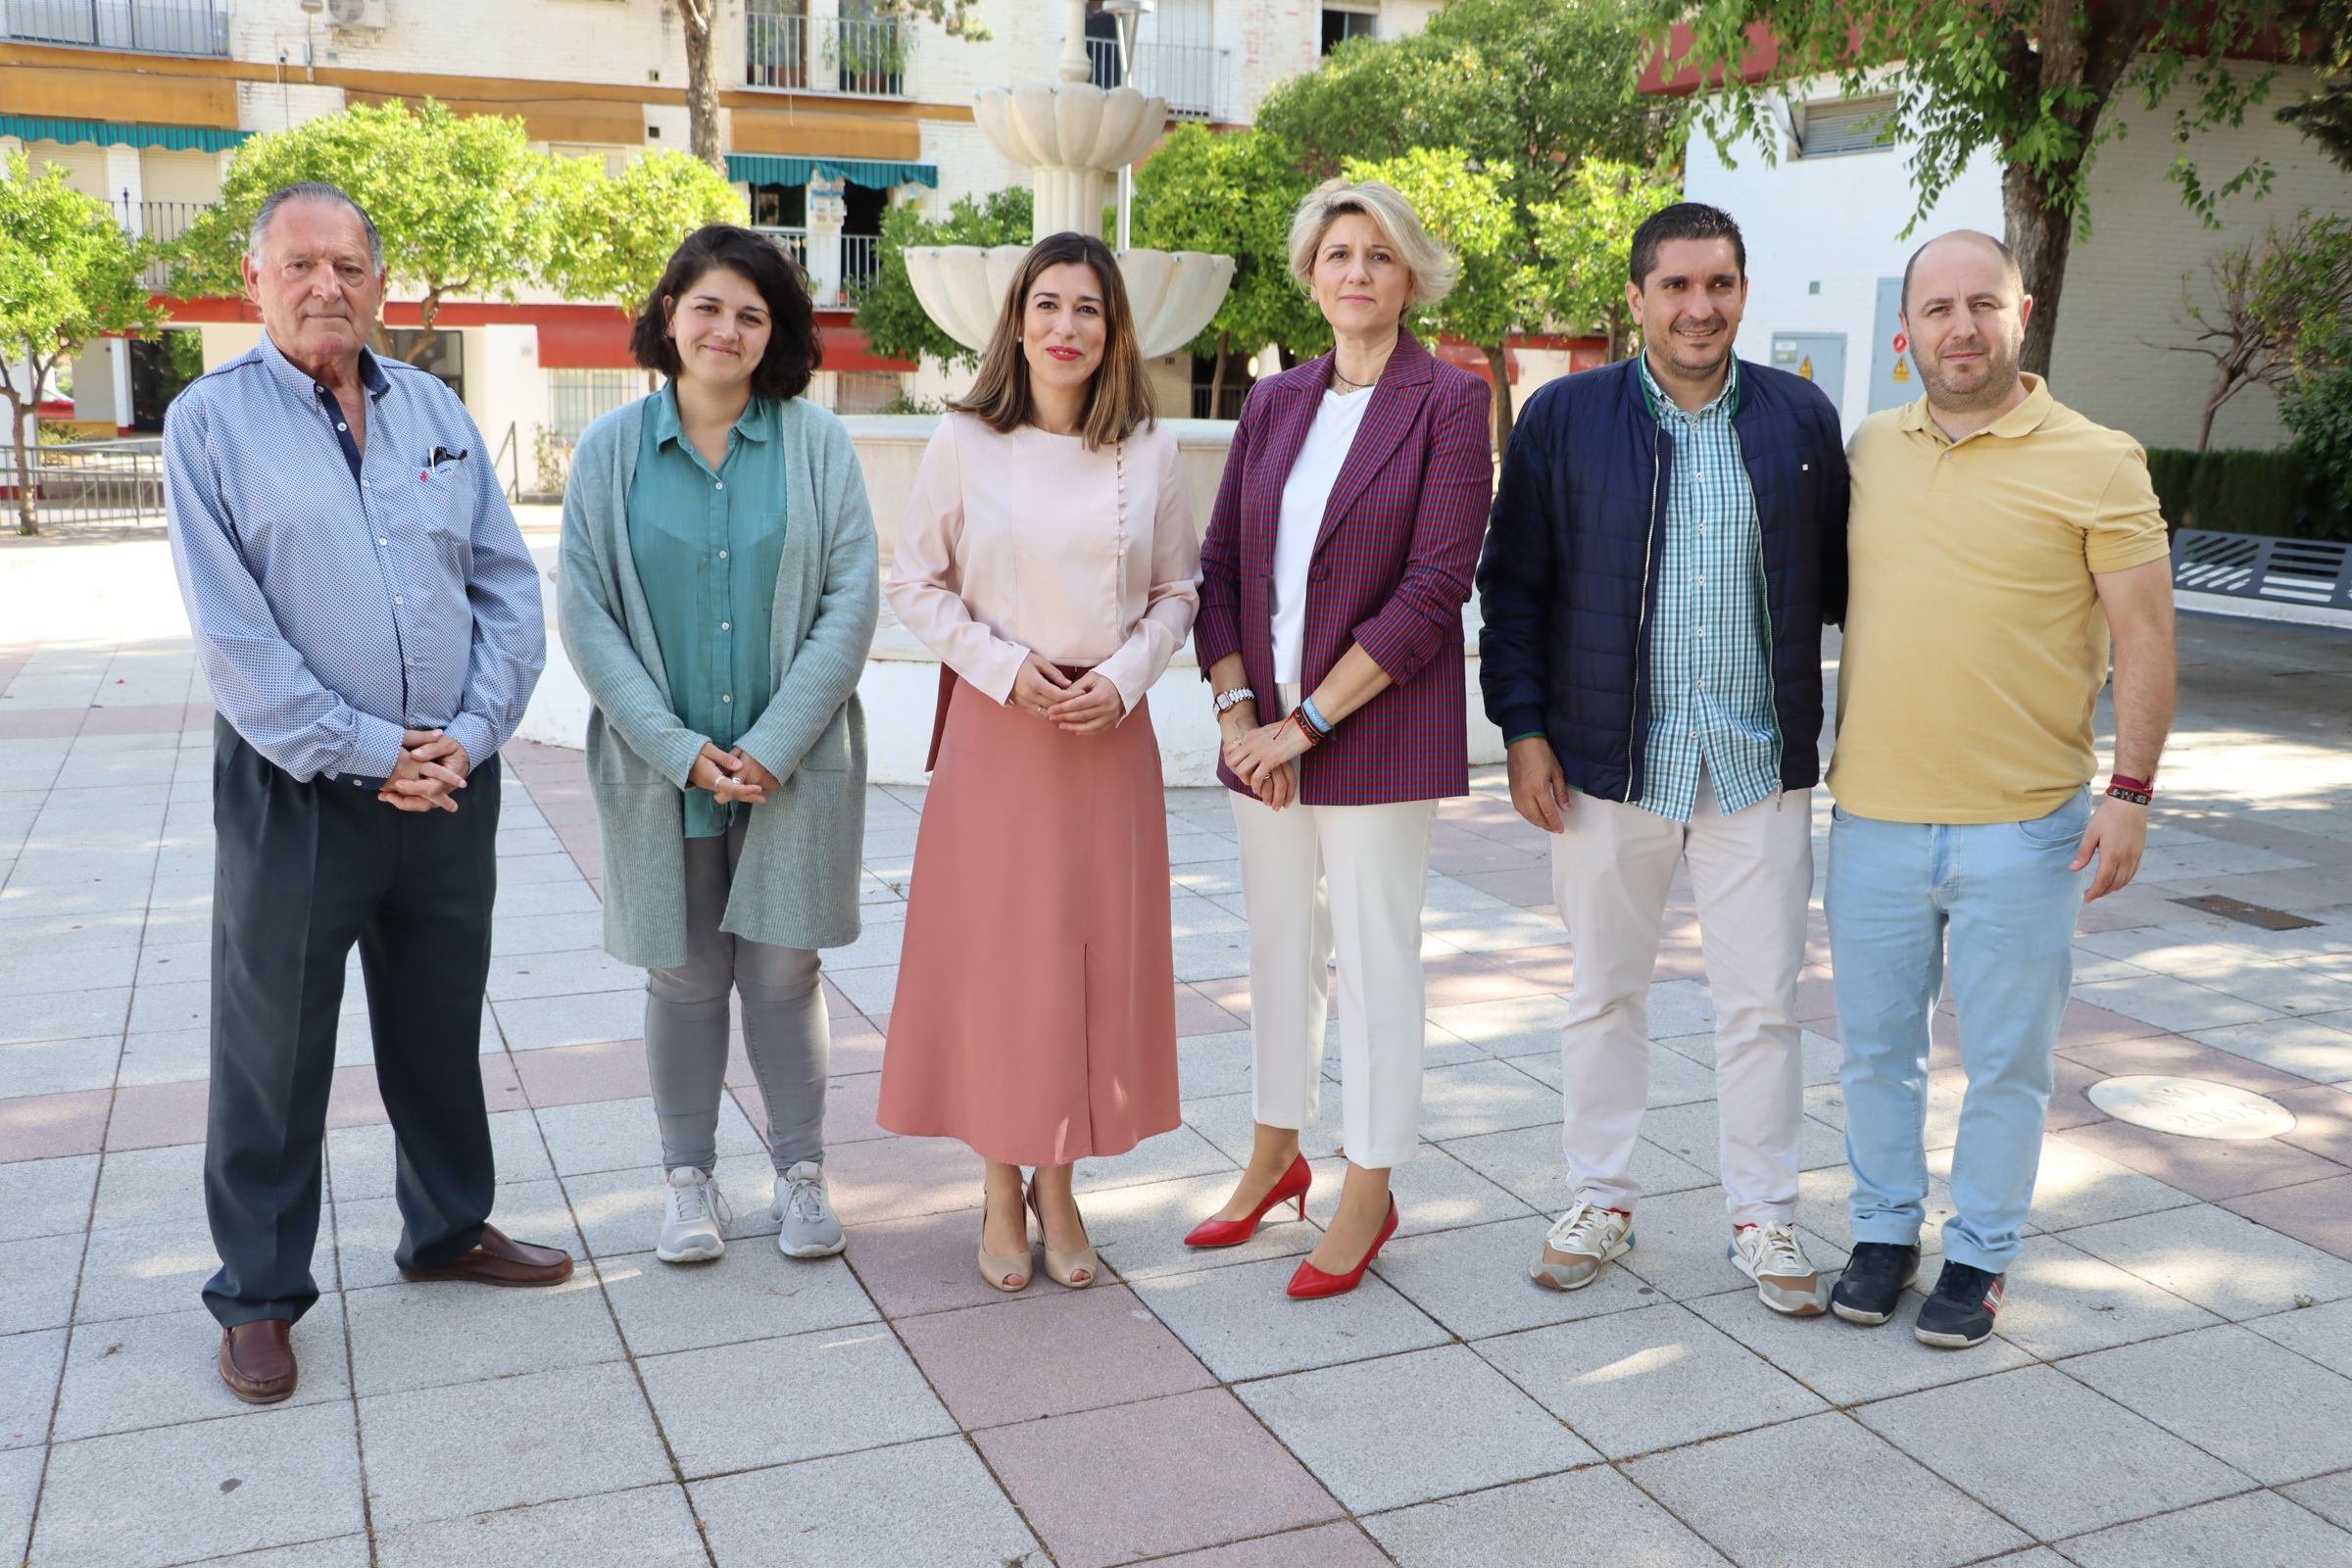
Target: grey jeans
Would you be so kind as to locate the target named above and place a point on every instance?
(784, 1026)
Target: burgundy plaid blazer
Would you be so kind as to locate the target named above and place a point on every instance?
(1392, 569)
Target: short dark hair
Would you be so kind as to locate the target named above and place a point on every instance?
(794, 347)
(2017, 274)
(1682, 221)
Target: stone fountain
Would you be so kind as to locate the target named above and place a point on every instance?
(1075, 137)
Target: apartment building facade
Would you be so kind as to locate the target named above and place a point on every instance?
(829, 116)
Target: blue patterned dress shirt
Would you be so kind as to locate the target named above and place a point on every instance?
(338, 598)
(1710, 646)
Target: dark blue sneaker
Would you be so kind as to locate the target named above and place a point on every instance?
(1873, 1281)
(1961, 1311)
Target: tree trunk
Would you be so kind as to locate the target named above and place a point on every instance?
(1216, 377)
(15, 405)
(428, 309)
(1498, 366)
(2041, 234)
(699, 18)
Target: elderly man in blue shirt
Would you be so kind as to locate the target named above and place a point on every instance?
(368, 621)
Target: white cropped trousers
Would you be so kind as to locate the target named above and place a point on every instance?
(1751, 874)
(1343, 880)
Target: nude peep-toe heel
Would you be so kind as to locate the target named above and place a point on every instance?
(1061, 1265)
(999, 1268)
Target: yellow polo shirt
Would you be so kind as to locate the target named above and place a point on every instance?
(1975, 644)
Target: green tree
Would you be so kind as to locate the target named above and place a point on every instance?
(614, 236)
(2326, 114)
(2280, 315)
(1586, 239)
(68, 275)
(1525, 92)
(1232, 194)
(462, 201)
(887, 313)
(2028, 80)
(1499, 290)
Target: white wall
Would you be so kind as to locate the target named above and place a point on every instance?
(1836, 222)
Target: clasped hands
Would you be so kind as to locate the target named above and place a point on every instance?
(431, 769)
(732, 776)
(1087, 705)
(1264, 757)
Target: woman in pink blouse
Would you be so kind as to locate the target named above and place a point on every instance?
(1046, 556)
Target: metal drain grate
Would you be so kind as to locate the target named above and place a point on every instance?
(2245, 914)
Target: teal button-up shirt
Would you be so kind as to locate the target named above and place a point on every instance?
(707, 547)
(1710, 646)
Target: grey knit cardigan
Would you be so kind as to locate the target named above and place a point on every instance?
(797, 884)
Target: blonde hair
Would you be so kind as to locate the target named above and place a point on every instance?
(1432, 268)
(1119, 399)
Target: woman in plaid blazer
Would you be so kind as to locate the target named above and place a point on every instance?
(1333, 578)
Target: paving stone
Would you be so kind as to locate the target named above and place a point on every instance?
(1342, 1545)
(751, 1293)
(1238, 1320)
(620, 1212)
(2113, 1465)
(2061, 1300)
(1483, 1096)
(2308, 1047)
(897, 1178)
(1152, 1478)
(133, 1373)
(624, 1135)
(1759, 1499)
(929, 1504)
(1528, 1163)
(1397, 1430)
(133, 1270)
(1517, 1026)
(771, 1401)
(2323, 1333)
(648, 1527)
(1048, 1353)
(2078, 1185)
(361, 1159)
(2255, 1531)
(2239, 1396)
(2317, 1212)
(1433, 1192)
(1165, 1156)
(475, 1447)
(2222, 1262)
(1589, 1518)
(2328, 1497)
(1845, 1363)
(1140, 1230)
(366, 1233)
(1632, 1382)
(1473, 1280)
(205, 1489)
(536, 1022)
(29, 1364)
(46, 1196)
(427, 1335)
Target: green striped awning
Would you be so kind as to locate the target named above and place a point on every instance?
(758, 168)
(108, 134)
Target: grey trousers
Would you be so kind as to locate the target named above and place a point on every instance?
(785, 1031)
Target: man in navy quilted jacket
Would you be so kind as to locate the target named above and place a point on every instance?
(1668, 540)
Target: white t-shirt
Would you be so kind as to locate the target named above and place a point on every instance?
(1305, 495)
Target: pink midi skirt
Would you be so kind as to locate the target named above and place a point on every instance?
(1036, 1008)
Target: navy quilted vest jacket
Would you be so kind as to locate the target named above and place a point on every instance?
(1569, 580)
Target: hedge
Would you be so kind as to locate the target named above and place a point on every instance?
(2245, 492)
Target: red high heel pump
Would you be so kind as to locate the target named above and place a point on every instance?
(1310, 1281)
(1233, 1232)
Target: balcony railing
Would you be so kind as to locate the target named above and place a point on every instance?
(860, 260)
(1194, 79)
(793, 243)
(823, 54)
(162, 222)
(144, 26)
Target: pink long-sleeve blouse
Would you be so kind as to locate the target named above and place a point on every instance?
(1030, 543)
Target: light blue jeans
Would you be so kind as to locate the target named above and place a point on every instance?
(2003, 897)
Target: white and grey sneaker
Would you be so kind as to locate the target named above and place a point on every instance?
(690, 1222)
(1786, 1280)
(809, 1227)
(1587, 1237)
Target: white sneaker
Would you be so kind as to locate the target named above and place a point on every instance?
(690, 1222)
(1585, 1237)
(809, 1227)
(1786, 1282)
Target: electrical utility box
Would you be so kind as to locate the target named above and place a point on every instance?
(1893, 374)
(1817, 357)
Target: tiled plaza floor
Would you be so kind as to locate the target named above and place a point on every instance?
(2172, 1384)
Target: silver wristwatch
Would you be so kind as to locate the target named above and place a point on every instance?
(1228, 701)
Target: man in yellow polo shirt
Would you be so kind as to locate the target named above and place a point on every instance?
(1996, 538)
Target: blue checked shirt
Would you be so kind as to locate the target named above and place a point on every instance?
(336, 598)
(1710, 658)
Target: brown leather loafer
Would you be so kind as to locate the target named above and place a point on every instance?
(497, 1259)
(257, 1361)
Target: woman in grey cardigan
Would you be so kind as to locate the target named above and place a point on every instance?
(718, 594)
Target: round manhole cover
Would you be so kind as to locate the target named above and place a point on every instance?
(2194, 1108)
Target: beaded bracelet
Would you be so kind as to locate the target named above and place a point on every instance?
(2138, 791)
(1314, 737)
